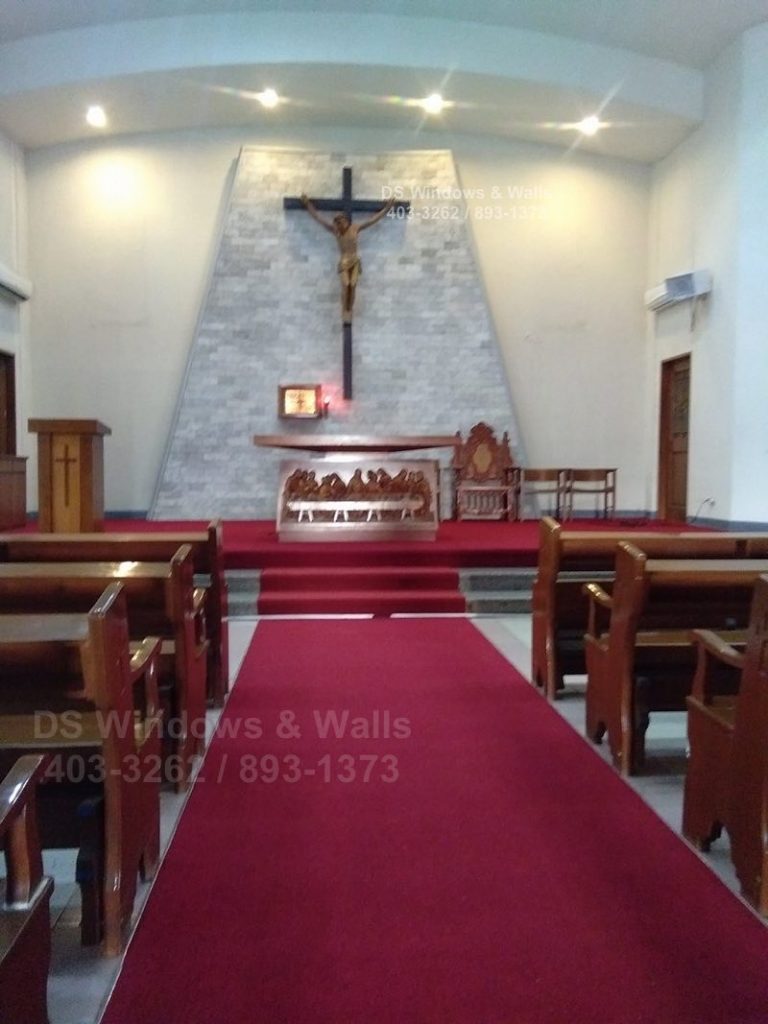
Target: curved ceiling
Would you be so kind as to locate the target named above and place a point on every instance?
(510, 68)
(689, 32)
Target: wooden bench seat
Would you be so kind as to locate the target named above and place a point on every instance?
(25, 893)
(160, 546)
(162, 601)
(570, 558)
(727, 780)
(70, 688)
(639, 647)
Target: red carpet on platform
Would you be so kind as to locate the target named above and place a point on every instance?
(458, 545)
(375, 577)
(253, 543)
(371, 590)
(392, 827)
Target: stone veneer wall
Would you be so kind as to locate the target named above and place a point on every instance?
(425, 357)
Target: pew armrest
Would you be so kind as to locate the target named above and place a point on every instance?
(18, 827)
(144, 669)
(714, 655)
(198, 600)
(600, 605)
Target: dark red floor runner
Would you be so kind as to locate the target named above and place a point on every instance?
(507, 876)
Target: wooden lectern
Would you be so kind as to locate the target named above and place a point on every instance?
(70, 475)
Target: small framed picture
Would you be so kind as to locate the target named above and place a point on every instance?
(299, 401)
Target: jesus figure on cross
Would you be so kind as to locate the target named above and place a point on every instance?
(345, 232)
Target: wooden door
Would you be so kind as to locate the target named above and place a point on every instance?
(7, 405)
(673, 438)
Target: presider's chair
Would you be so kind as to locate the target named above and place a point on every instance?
(484, 476)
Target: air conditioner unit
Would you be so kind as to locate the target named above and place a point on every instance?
(678, 289)
(14, 285)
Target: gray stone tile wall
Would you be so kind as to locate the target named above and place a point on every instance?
(425, 355)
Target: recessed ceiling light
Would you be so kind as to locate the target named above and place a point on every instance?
(96, 117)
(268, 98)
(589, 125)
(433, 104)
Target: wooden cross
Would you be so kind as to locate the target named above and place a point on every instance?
(66, 461)
(347, 205)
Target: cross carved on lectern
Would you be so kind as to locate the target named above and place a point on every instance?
(66, 460)
(345, 232)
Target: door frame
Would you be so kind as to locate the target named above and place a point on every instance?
(668, 367)
(8, 372)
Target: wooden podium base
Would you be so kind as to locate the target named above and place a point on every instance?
(70, 475)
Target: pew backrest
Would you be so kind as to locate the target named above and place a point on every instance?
(161, 601)
(570, 558)
(71, 686)
(645, 660)
(207, 565)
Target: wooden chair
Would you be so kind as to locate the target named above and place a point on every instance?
(727, 781)
(25, 929)
(535, 484)
(597, 483)
(70, 687)
(483, 475)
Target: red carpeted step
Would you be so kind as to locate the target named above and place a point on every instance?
(371, 602)
(400, 577)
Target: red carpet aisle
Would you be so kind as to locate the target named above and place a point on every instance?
(506, 877)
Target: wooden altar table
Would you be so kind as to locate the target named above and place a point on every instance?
(353, 489)
(337, 444)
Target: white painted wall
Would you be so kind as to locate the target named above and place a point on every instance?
(750, 414)
(708, 209)
(122, 236)
(13, 253)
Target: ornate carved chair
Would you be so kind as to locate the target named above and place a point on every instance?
(600, 483)
(537, 484)
(484, 476)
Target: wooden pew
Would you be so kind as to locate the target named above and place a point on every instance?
(207, 561)
(162, 601)
(25, 929)
(639, 647)
(570, 558)
(69, 687)
(727, 780)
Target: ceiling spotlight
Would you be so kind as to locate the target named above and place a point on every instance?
(268, 98)
(433, 104)
(589, 125)
(96, 117)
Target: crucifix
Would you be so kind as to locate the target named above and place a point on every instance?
(345, 231)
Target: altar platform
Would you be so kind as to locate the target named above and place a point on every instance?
(267, 576)
(254, 544)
